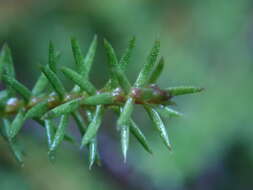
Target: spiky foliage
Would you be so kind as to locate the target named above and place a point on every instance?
(84, 103)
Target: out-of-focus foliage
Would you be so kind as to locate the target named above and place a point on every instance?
(205, 43)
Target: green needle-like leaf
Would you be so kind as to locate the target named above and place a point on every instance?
(125, 59)
(54, 81)
(40, 85)
(123, 125)
(6, 62)
(17, 152)
(77, 53)
(18, 87)
(17, 124)
(168, 112)
(126, 113)
(89, 58)
(112, 61)
(116, 72)
(37, 111)
(103, 98)
(84, 65)
(44, 106)
(59, 135)
(157, 72)
(122, 80)
(124, 136)
(49, 125)
(159, 125)
(79, 80)
(134, 129)
(93, 126)
(52, 57)
(14, 146)
(65, 108)
(42, 82)
(79, 121)
(92, 152)
(182, 90)
(144, 76)
(67, 137)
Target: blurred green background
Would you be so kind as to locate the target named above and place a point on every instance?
(205, 43)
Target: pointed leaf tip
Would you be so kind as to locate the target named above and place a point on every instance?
(182, 90)
(17, 152)
(92, 152)
(49, 125)
(124, 133)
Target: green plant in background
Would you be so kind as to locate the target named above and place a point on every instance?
(84, 103)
